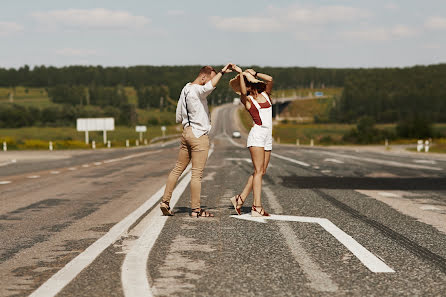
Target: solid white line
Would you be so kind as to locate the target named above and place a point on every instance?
(372, 262)
(290, 160)
(63, 277)
(134, 268)
(4, 182)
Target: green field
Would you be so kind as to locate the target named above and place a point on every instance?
(330, 134)
(68, 137)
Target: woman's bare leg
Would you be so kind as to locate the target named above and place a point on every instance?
(258, 157)
(248, 186)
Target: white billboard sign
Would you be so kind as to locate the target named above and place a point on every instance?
(95, 124)
(141, 128)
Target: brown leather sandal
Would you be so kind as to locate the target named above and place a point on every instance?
(165, 208)
(258, 211)
(199, 212)
(237, 201)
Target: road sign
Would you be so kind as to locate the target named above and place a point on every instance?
(141, 128)
(372, 262)
(95, 124)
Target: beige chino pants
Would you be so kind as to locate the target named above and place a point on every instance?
(192, 149)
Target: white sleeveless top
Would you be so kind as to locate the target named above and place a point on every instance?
(264, 113)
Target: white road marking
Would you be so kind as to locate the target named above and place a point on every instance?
(54, 172)
(33, 176)
(369, 260)
(4, 182)
(97, 163)
(326, 171)
(290, 160)
(334, 161)
(134, 268)
(388, 194)
(425, 161)
(239, 159)
(429, 207)
(64, 276)
(379, 161)
(72, 168)
(85, 165)
(319, 280)
(8, 163)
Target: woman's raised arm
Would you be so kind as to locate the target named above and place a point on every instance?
(267, 78)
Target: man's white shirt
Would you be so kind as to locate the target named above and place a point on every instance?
(197, 105)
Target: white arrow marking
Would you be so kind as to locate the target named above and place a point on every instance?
(372, 262)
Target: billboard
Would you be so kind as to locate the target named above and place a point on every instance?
(95, 124)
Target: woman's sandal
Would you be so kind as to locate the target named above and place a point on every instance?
(237, 201)
(258, 211)
(199, 212)
(165, 208)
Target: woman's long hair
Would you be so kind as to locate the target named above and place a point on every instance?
(260, 87)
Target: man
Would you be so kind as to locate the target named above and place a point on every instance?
(193, 113)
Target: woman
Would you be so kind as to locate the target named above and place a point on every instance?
(255, 96)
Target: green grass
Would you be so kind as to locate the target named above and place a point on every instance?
(68, 137)
(304, 92)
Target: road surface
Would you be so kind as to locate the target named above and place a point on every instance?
(346, 223)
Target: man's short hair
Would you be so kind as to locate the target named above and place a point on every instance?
(207, 70)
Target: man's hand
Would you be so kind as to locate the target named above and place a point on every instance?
(227, 68)
(237, 69)
(251, 71)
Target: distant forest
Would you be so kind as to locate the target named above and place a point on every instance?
(384, 94)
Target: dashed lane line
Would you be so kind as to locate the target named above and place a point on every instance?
(33, 176)
(290, 160)
(4, 182)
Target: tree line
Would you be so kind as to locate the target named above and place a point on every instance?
(411, 95)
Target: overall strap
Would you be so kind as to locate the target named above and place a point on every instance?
(267, 97)
(253, 101)
(187, 111)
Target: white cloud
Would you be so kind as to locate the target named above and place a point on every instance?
(73, 52)
(436, 23)
(380, 33)
(286, 19)
(175, 12)
(325, 14)
(9, 28)
(98, 18)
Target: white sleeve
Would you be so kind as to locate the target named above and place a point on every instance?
(206, 89)
(179, 116)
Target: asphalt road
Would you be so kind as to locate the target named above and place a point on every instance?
(346, 223)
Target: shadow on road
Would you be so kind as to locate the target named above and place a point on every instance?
(363, 183)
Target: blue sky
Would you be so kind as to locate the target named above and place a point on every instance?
(322, 33)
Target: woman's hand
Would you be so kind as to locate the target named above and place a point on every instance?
(251, 71)
(237, 69)
(227, 68)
